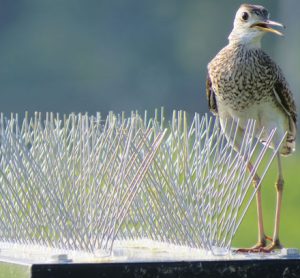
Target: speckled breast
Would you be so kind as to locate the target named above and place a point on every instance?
(242, 77)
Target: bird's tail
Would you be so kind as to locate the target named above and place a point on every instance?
(289, 145)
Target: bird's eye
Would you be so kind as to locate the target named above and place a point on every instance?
(245, 16)
(264, 12)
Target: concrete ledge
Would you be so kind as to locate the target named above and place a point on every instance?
(236, 268)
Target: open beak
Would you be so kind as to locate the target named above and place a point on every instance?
(266, 26)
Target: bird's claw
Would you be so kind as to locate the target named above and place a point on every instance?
(261, 247)
(275, 245)
(255, 249)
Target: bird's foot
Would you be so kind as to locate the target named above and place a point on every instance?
(275, 245)
(261, 246)
(254, 249)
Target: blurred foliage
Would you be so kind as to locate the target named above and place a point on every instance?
(78, 56)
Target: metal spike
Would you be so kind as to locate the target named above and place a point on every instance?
(80, 182)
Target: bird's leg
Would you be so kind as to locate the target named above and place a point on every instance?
(262, 241)
(279, 188)
(261, 234)
(262, 238)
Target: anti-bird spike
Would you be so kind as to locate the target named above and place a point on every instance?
(196, 191)
(80, 182)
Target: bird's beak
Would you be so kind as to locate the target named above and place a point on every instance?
(266, 26)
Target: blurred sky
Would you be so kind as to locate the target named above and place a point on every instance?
(77, 56)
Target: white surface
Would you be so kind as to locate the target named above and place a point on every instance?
(129, 251)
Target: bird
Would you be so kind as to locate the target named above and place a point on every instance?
(243, 82)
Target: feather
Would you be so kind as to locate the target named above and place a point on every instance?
(211, 98)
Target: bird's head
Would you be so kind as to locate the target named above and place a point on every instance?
(251, 23)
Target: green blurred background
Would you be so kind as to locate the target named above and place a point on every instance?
(99, 55)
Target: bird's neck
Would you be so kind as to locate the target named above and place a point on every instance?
(249, 40)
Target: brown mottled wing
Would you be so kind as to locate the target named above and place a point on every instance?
(211, 97)
(285, 98)
(282, 93)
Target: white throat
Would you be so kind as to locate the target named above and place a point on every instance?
(249, 39)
